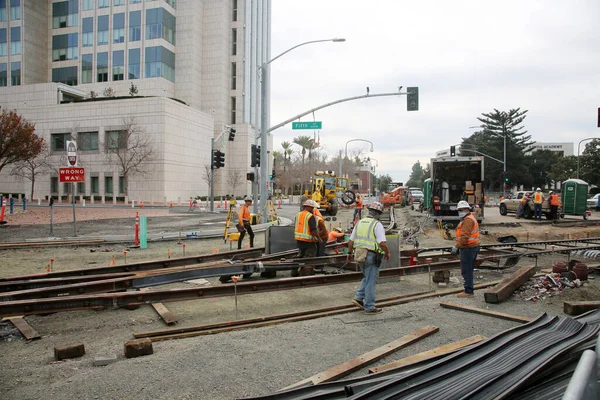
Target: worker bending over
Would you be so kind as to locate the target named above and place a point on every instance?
(321, 227)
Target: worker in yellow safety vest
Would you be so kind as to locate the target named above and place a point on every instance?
(467, 243)
(538, 199)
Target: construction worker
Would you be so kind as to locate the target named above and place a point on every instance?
(538, 199)
(322, 228)
(358, 208)
(522, 204)
(368, 238)
(244, 217)
(335, 234)
(554, 204)
(306, 231)
(467, 243)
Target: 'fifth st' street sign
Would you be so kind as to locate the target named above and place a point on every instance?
(75, 174)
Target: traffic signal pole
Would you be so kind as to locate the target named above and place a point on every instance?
(212, 174)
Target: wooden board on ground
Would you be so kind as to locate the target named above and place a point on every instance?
(579, 307)
(163, 312)
(426, 355)
(26, 330)
(507, 286)
(350, 366)
(488, 313)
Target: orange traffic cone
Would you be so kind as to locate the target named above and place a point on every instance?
(171, 205)
(142, 206)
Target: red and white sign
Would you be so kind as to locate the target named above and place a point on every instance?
(72, 153)
(75, 174)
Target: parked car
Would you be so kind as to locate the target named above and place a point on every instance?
(511, 203)
(414, 195)
(592, 202)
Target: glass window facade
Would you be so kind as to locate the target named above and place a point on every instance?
(134, 64)
(67, 75)
(87, 140)
(118, 65)
(3, 75)
(118, 2)
(15, 40)
(119, 28)
(108, 184)
(65, 13)
(160, 62)
(233, 76)
(81, 188)
(2, 10)
(94, 186)
(135, 1)
(172, 3)
(160, 24)
(65, 47)
(54, 184)
(87, 32)
(122, 188)
(102, 67)
(103, 29)
(15, 10)
(233, 42)
(88, 4)
(116, 139)
(58, 141)
(103, 3)
(135, 26)
(87, 67)
(3, 44)
(15, 73)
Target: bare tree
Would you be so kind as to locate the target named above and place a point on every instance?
(206, 176)
(30, 169)
(234, 179)
(129, 149)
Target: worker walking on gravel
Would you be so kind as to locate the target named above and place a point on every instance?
(368, 238)
(244, 217)
(538, 199)
(467, 243)
(357, 209)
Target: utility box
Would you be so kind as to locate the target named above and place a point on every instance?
(574, 197)
(427, 193)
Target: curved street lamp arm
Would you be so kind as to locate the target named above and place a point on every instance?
(305, 43)
(355, 140)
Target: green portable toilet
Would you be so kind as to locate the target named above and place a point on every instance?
(574, 197)
(427, 193)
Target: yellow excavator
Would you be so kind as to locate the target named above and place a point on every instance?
(326, 189)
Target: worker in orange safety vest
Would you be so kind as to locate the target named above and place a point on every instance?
(554, 204)
(538, 199)
(335, 234)
(358, 208)
(467, 243)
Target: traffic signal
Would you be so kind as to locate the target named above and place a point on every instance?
(231, 134)
(452, 151)
(250, 176)
(255, 156)
(412, 98)
(598, 117)
(505, 176)
(218, 159)
(272, 174)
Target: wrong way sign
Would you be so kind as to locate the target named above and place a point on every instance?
(67, 174)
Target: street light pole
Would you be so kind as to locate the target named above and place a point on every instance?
(582, 140)
(265, 94)
(346, 152)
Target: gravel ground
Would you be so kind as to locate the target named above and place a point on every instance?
(242, 363)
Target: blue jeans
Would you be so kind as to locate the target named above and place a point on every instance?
(357, 211)
(468, 256)
(537, 211)
(366, 290)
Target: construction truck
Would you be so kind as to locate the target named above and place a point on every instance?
(395, 197)
(327, 189)
(454, 179)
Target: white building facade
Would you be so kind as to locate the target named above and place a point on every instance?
(68, 67)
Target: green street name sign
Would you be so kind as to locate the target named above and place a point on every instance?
(307, 125)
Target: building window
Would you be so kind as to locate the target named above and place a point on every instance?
(87, 66)
(87, 32)
(235, 10)
(66, 75)
(122, 188)
(65, 47)
(81, 188)
(3, 74)
(172, 3)
(233, 42)
(58, 141)
(88, 4)
(54, 184)
(134, 64)
(94, 187)
(160, 24)
(118, 2)
(116, 139)
(108, 184)
(118, 65)
(2, 10)
(67, 188)
(233, 110)
(15, 73)
(3, 48)
(135, 26)
(103, 29)
(103, 3)
(65, 13)
(160, 62)
(119, 28)
(15, 10)
(102, 67)
(87, 140)
(15, 40)
(135, 1)
(233, 76)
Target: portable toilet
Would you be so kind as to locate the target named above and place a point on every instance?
(427, 184)
(574, 197)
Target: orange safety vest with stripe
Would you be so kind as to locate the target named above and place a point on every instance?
(302, 230)
(474, 238)
(334, 235)
(538, 198)
(524, 200)
(359, 203)
(244, 214)
(317, 213)
(554, 201)
(322, 228)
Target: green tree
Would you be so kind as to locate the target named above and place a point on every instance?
(382, 182)
(417, 176)
(306, 143)
(18, 141)
(564, 168)
(589, 163)
(287, 153)
(540, 164)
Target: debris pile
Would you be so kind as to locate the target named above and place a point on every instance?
(546, 286)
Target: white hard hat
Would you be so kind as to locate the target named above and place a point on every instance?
(462, 204)
(538, 190)
(315, 204)
(308, 203)
(247, 198)
(376, 206)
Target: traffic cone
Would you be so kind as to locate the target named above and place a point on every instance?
(142, 206)
(2, 221)
(136, 237)
(171, 205)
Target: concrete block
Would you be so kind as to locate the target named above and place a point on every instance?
(69, 351)
(101, 361)
(138, 348)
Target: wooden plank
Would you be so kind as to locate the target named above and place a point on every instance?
(488, 313)
(426, 355)
(354, 364)
(579, 307)
(165, 314)
(26, 330)
(507, 286)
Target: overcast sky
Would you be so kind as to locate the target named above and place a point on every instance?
(467, 57)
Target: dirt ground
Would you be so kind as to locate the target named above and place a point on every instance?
(28, 367)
